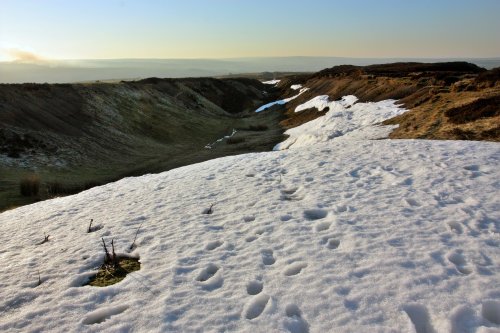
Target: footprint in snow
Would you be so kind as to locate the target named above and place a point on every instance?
(249, 218)
(294, 322)
(295, 268)
(322, 226)
(254, 287)
(250, 239)
(101, 315)
(419, 317)
(458, 259)
(292, 194)
(213, 245)
(256, 306)
(455, 227)
(491, 311)
(331, 242)
(473, 170)
(210, 277)
(267, 257)
(315, 214)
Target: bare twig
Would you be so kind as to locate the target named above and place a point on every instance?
(89, 230)
(115, 261)
(39, 279)
(45, 240)
(137, 232)
(210, 210)
(108, 256)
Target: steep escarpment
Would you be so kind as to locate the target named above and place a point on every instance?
(436, 95)
(77, 135)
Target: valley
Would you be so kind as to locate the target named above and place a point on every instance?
(70, 137)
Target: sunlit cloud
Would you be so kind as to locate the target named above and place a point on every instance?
(23, 56)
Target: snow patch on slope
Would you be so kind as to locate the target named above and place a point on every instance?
(274, 82)
(295, 86)
(323, 101)
(281, 101)
(343, 122)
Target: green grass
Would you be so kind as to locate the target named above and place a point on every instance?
(109, 274)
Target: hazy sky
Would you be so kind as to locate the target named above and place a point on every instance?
(98, 29)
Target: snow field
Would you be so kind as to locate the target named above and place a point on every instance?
(344, 236)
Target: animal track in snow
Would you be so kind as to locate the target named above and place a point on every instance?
(213, 245)
(254, 287)
(322, 226)
(256, 306)
(286, 217)
(419, 317)
(267, 257)
(458, 259)
(295, 268)
(295, 323)
(315, 214)
(101, 315)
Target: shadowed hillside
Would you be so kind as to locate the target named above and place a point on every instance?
(74, 136)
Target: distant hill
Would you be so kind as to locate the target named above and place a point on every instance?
(69, 71)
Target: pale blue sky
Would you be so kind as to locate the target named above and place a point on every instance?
(97, 29)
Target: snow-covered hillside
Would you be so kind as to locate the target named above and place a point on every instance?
(339, 236)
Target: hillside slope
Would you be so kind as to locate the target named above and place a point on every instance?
(446, 100)
(77, 135)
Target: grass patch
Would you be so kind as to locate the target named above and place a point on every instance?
(110, 274)
(235, 140)
(255, 128)
(30, 185)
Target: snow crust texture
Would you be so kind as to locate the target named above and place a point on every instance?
(342, 236)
